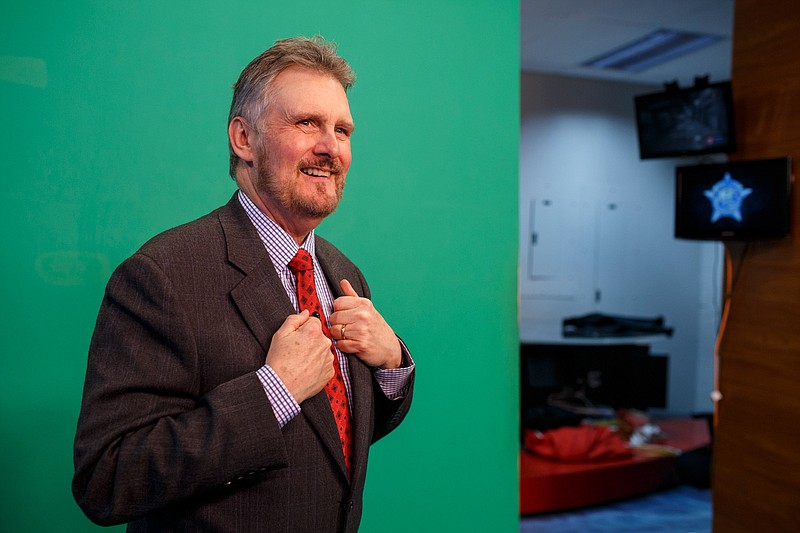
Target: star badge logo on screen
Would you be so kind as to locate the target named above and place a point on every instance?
(726, 197)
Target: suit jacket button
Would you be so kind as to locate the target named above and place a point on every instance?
(350, 506)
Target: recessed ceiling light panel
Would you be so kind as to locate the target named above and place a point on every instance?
(654, 48)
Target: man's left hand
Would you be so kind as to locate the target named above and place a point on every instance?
(359, 328)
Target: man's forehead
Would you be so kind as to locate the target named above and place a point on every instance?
(304, 90)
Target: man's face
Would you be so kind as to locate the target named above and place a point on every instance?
(302, 153)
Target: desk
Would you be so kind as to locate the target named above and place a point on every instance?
(549, 332)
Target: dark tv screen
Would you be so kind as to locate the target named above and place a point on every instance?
(685, 122)
(741, 200)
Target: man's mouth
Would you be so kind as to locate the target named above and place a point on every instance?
(316, 172)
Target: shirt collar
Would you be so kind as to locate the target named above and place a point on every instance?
(279, 244)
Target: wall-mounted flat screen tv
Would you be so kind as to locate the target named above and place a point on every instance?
(740, 200)
(686, 122)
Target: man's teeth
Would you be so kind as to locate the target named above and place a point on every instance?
(316, 172)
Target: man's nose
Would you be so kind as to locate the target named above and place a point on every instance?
(327, 144)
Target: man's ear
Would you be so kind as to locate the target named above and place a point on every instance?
(242, 139)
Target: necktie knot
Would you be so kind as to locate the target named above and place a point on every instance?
(301, 262)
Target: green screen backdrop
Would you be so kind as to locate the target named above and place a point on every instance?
(113, 129)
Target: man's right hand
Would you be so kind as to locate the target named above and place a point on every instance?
(300, 354)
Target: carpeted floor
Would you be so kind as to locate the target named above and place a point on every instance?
(684, 509)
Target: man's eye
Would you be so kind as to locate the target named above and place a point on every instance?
(343, 131)
(304, 122)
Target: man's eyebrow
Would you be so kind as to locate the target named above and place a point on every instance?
(295, 115)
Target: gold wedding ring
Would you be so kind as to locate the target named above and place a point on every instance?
(342, 332)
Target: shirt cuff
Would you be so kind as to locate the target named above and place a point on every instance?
(283, 403)
(394, 381)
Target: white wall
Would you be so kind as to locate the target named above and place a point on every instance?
(603, 224)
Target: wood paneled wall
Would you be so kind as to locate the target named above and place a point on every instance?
(756, 483)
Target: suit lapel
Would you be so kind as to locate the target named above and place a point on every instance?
(259, 296)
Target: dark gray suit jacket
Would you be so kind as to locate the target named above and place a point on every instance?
(176, 432)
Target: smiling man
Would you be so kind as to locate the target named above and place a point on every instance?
(238, 372)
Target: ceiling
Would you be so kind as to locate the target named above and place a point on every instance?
(558, 35)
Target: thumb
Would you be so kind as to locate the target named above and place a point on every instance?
(293, 322)
(347, 289)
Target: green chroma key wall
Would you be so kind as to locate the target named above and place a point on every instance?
(113, 128)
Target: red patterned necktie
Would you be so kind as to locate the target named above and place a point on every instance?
(303, 269)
